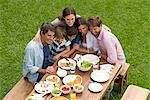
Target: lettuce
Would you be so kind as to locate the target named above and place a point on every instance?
(85, 64)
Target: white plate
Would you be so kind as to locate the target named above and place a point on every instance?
(90, 58)
(100, 76)
(95, 87)
(66, 61)
(71, 78)
(34, 98)
(106, 66)
(50, 78)
(43, 88)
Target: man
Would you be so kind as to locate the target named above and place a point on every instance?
(37, 60)
(109, 45)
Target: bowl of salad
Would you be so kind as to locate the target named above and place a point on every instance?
(84, 65)
(56, 92)
(78, 88)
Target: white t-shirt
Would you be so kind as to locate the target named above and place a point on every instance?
(91, 42)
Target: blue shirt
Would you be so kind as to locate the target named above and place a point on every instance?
(33, 60)
(46, 61)
(76, 40)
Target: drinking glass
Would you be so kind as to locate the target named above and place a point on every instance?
(72, 69)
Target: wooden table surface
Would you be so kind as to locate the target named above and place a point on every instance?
(86, 80)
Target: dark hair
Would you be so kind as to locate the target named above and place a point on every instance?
(80, 21)
(45, 27)
(67, 11)
(71, 30)
(60, 31)
(94, 21)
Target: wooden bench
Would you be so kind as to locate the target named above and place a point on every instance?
(19, 91)
(135, 93)
(123, 77)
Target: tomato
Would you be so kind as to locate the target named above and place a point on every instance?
(65, 89)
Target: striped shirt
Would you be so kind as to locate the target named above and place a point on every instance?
(58, 48)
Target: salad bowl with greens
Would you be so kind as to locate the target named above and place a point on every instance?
(84, 65)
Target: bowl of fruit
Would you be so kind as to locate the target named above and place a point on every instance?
(65, 89)
(78, 88)
(56, 92)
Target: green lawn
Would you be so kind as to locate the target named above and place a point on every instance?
(128, 19)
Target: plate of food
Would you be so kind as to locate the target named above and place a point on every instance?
(95, 87)
(84, 65)
(90, 58)
(44, 88)
(52, 79)
(71, 80)
(100, 76)
(34, 98)
(66, 63)
(59, 98)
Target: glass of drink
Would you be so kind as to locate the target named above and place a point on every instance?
(72, 69)
(95, 67)
(57, 85)
(73, 96)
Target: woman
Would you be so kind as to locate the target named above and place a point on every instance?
(68, 19)
(89, 43)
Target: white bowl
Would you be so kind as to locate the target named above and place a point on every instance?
(78, 88)
(67, 89)
(81, 68)
(55, 92)
(61, 73)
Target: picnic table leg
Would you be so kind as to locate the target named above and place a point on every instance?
(126, 79)
(120, 85)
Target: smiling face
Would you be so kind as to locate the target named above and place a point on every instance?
(83, 29)
(47, 38)
(70, 19)
(95, 30)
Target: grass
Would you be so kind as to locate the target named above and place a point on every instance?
(128, 19)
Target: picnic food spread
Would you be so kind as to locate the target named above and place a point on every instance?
(72, 80)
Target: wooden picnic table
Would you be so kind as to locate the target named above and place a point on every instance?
(86, 80)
